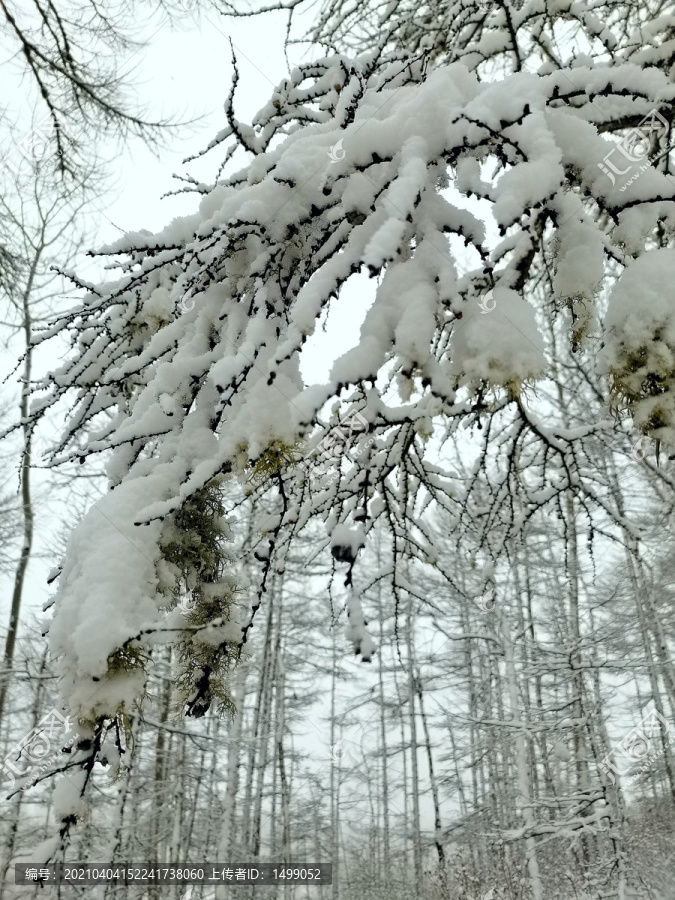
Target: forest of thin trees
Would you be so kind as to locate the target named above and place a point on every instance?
(415, 621)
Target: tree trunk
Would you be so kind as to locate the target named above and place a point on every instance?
(417, 839)
(525, 799)
(26, 501)
(434, 791)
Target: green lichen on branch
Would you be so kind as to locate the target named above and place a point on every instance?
(207, 655)
(196, 564)
(643, 385)
(126, 659)
(276, 457)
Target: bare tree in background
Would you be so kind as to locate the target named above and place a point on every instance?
(47, 222)
(73, 55)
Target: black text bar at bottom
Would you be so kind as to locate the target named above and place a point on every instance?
(174, 873)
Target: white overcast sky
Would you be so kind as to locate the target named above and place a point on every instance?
(186, 71)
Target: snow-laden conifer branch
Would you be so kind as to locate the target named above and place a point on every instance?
(187, 366)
